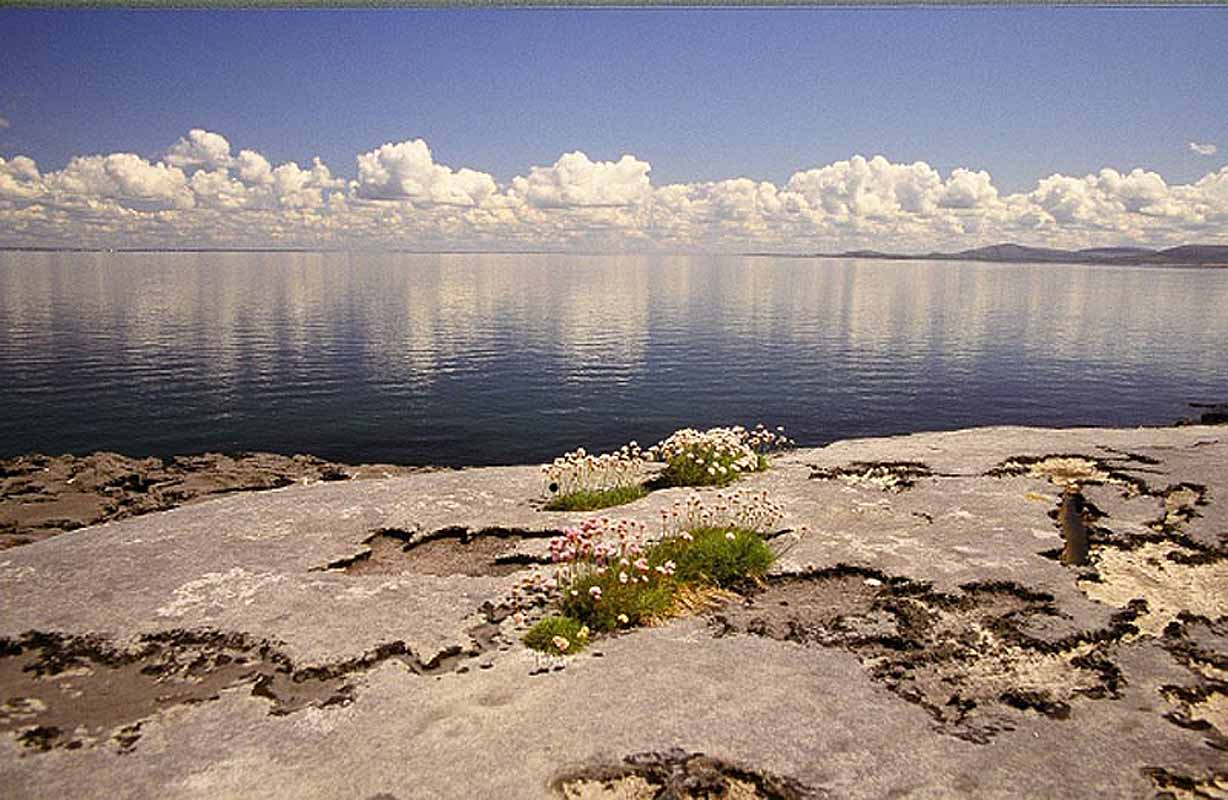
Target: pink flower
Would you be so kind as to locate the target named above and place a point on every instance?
(595, 591)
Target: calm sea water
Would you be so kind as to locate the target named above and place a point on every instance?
(492, 359)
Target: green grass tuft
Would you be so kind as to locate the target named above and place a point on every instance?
(586, 500)
(724, 557)
(622, 605)
(542, 635)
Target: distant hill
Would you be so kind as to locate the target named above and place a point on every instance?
(1186, 255)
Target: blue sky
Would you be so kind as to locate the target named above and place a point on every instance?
(701, 95)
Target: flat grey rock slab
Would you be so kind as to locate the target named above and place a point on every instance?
(403, 679)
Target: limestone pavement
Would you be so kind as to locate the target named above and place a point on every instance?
(918, 638)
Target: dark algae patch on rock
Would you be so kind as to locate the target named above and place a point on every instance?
(967, 659)
(41, 496)
(1175, 785)
(889, 476)
(58, 690)
(678, 775)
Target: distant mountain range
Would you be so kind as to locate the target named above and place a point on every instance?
(1186, 255)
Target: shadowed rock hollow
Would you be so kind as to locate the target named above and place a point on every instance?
(42, 496)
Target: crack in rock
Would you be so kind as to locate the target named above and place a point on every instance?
(678, 775)
(1167, 570)
(887, 476)
(1067, 469)
(60, 690)
(1181, 503)
(488, 552)
(1203, 707)
(1168, 578)
(1178, 505)
(970, 660)
(1212, 785)
(1200, 644)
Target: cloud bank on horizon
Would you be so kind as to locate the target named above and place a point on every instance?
(201, 193)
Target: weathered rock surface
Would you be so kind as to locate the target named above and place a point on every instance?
(921, 639)
(42, 496)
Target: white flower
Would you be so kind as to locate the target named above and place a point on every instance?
(730, 536)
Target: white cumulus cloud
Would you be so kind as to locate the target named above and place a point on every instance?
(19, 178)
(200, 148)
(872, 188)
(122, 176)
(406, 171)
(1203, 149)
(202, 194)
(574, 180)
(254, 168)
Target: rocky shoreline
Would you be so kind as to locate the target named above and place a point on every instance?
(42, 496)
(922, 638)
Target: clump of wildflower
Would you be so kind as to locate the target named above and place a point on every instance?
(607, 576)
(718, 541)
(716, 456)
(603, 578)
(752, 511)
(580, 481)
(580, 471)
